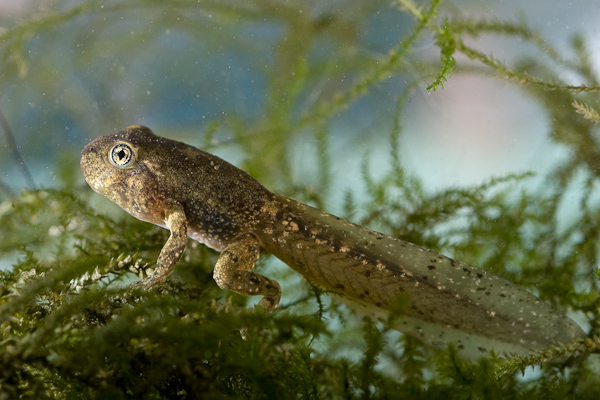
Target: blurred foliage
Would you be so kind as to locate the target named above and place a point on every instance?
(71, 328)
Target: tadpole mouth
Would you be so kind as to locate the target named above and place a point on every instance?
(91, 164)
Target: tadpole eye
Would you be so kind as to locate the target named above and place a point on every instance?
(122, 155)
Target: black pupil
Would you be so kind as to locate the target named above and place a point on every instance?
(121, 155)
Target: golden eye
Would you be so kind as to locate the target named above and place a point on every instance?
(122, 155)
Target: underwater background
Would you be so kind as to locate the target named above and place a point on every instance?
(468, 127)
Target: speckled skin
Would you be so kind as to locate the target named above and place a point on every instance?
(196, 194)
